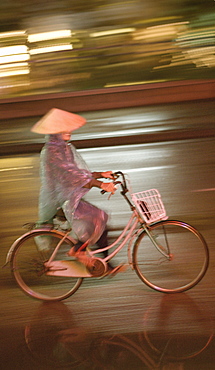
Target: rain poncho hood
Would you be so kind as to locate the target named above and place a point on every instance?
(63, 174)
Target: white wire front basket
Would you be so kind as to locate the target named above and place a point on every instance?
(149, 205)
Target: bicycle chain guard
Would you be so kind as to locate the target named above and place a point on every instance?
(97, 267)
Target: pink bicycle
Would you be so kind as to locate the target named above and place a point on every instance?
(169, 256)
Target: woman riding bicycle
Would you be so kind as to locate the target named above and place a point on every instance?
(65, 179)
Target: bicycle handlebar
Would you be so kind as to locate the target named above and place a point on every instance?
(124, 187)
(123, 182)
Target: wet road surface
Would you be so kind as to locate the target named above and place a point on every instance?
(118, 322)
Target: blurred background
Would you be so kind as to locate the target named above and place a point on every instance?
(65, 46)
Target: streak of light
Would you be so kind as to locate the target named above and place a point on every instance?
(11, 50)
(201, 190)
(17, 85)
(6, 66)
(154, 168)
(15, 168)
(14, 58)
(12, 34)
(165, 26)
(116, 147)
(51, 35)
(11, 131)
(123, 133)
(17, 72)
(112, 32)
(17, 179)
(50, 49)
(134, 83)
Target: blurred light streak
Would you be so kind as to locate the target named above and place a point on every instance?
(14, 69)
(51, 35)
(18, 179)
(153, 168)
(160, 31)
(10, 55)
(18, 72)
(166, 26)
(111, 150)
(134, 83)
(204, 56)
(17, 85)
(5, 66)
(119, 133)
(196, 37)
(15, 53)
(200, 190)
(12, 34)
(50, 49)
(15, 168)
(14, 58)
(112, 32)
(12, 50)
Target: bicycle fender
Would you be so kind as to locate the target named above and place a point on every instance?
(13, 246)
(10, 252)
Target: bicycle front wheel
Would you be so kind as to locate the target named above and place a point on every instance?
(179, 261)
(28, 266)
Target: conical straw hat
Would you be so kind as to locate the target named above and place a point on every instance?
(57, 121)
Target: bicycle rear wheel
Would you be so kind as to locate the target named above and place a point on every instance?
(28, 266)
(185, 264)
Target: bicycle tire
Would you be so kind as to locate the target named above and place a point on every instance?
(27, 265)
(188, 257)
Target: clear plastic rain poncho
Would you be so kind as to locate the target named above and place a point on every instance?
(63, 174)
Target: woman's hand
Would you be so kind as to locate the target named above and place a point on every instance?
(107, 174)
(109, 187)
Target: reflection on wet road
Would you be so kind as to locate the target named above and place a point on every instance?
(114, 323)
(159, 339)
(172, 332)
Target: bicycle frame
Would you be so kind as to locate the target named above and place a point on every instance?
(127, 235)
